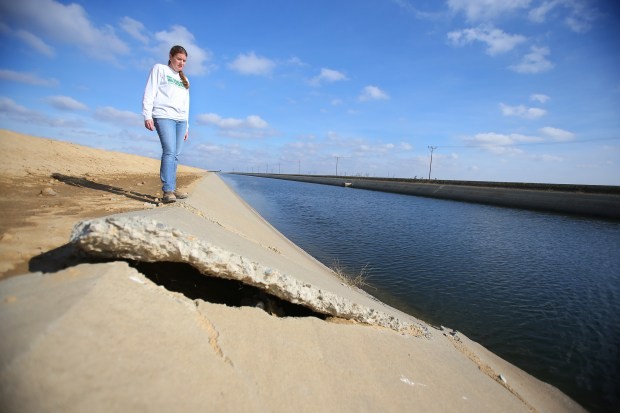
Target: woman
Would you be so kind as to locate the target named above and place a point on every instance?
(165, 107)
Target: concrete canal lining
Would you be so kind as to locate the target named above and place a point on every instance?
(584, 200)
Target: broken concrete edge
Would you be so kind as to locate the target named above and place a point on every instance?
(143, 239)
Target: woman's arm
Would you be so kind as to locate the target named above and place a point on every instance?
(148, 98)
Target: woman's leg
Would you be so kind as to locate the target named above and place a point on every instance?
(171, 134)
(181, 128)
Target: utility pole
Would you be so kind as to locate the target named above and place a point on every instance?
(430, 167)
(337, 158)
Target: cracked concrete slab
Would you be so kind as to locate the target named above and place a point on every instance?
(187, 233)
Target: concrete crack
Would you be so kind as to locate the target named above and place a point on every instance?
(213, 334)
(488, 370)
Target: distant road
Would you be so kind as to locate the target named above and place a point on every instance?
(587, 200)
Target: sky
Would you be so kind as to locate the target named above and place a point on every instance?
(494, 90)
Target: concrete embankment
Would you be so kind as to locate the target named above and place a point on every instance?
(155, 328)
(585, 200)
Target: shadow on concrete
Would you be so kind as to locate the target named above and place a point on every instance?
(87, 183)
(60, 258)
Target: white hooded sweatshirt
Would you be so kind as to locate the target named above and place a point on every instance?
(165, 96)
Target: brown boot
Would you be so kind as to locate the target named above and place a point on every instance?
(169, 197)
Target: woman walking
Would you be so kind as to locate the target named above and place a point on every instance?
(165, 107)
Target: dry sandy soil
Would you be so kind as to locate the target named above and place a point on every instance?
(41, 197)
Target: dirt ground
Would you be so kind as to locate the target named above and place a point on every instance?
(41, 203)
(38, 205)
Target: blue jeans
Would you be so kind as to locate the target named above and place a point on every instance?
(171, 135)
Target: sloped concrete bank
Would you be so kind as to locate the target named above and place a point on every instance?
(585, 200)
(103, 337)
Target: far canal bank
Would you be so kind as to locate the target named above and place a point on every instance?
(586, 200)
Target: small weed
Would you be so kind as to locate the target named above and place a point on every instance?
(358, 280)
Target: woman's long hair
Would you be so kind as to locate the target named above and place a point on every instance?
(174, 51)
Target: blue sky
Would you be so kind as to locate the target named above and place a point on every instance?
(515, 90)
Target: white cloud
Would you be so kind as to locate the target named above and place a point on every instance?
(35, 42)
(579, 16)
(250, 64)
(65, 23)
(115, 116)
(548, 158)
(27, 78)
(65, 103)
(406, 5)
(497, 41)
(476, 10)
(557, 134)
(539, 14)
(197, 58)
(538, 97)
(373, 93)
(328, 75)
(253, 126)
(580, 23)
(295, 61)
(522, 111)
(534, 62)
(501, 144)
(12, 111)
(134, 28)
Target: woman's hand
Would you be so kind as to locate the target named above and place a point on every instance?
(186, 135)
(150, 126)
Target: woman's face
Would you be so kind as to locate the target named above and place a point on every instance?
(178, 61)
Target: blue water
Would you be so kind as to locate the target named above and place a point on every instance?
(541, 290)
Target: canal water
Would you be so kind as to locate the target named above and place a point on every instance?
(541, 290)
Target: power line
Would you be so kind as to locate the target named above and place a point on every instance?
(481, 145)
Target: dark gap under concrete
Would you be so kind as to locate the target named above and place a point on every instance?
(181, 278)
(185, 279)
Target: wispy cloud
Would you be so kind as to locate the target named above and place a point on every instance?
(11, 110)
(522, 111)
(534, 62)
(409, 7)
(253, 126)
(501, 144)
(372, 93)
(115, 116)
(65, 103)
(497, 40)
(547, 158)
(251, 64)
(483, 10)
(28, 78)
(135, 29)
(329, 76)
(579, 15)
(539, 97)
(35, 42)
(557, 134)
